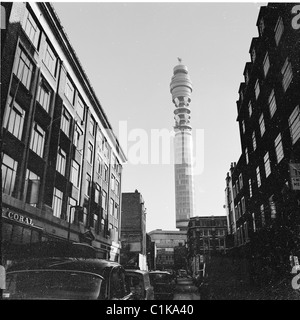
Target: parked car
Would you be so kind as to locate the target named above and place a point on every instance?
(66, 278)
(182, 273)
(163, 284)
(138, 282)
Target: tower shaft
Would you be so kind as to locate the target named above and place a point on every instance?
(181, 89)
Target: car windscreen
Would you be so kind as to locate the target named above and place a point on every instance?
(159, 277)
(52, 284)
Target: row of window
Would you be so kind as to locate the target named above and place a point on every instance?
(287, 76)
(208, 232)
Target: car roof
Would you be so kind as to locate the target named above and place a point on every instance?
(79, 264)
(136, 271)
(159, 271)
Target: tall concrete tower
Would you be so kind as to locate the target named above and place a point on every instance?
(181, 89)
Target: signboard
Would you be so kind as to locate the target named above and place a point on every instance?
(295, 175)
(17, 217)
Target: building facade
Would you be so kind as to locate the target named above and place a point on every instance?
(133, 230)
(166, 242)
(206, 236)
(61, 162)
(181, 89)
(263, 188)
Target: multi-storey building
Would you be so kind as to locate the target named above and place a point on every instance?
(166, 241)
(133, 230)
(264, 186)
(61, 162)
(206, 236)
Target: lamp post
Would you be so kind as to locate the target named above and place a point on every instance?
(69, 226)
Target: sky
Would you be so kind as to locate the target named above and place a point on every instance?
(128, 51)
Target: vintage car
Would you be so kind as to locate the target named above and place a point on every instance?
(163, 284)
(68, 278)
(138, 282)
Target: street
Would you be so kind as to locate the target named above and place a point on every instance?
(185, 290)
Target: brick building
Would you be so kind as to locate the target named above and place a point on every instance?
(133, 230)
(61, 162)
(262, 189)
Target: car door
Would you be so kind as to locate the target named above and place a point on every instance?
(118, 290)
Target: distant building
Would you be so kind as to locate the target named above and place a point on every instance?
(61, 161)
(166, 241)
(133, 230)
(263, 188)
(207, 234)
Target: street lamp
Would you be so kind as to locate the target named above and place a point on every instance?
(69, 226)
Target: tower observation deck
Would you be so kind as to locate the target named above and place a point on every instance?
(181, 89)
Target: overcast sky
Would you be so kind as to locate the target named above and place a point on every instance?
(129, 50)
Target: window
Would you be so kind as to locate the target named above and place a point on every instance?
(266, 64)
(117, 187)
(14, 119)
(262, 125)
(253, 54)
(261, 26)
(105, 172)
(278, 30)
(69, 90)
(294, 124)
(61, 161)
(78, 138)
(88, 182)
(80, 108)
(262, 214)
(250, 108)
(254, 140)
(111, 207)
(287, 74)
(272, 206)
(37, 142)
(112, 182)
(253, 220)
(57, 203)
(92, 126)
(75, 173)
(247, 155)
(97, 194)
(32, 186)
(106, 151)
(257, 89)
(90, 153)
(250, 187)
(116, 211)
(99, 166)
(31, 29)
(279, 148)
(71, 210)
(267, 164)
(9, 171)
(247, 77)
(258, 177)
(44, 95)
(243, 205)
(104, 200)
(241, 180)
(23, 68)
(272, 103)
(66, 122)
(50, 60)
(243, 126)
